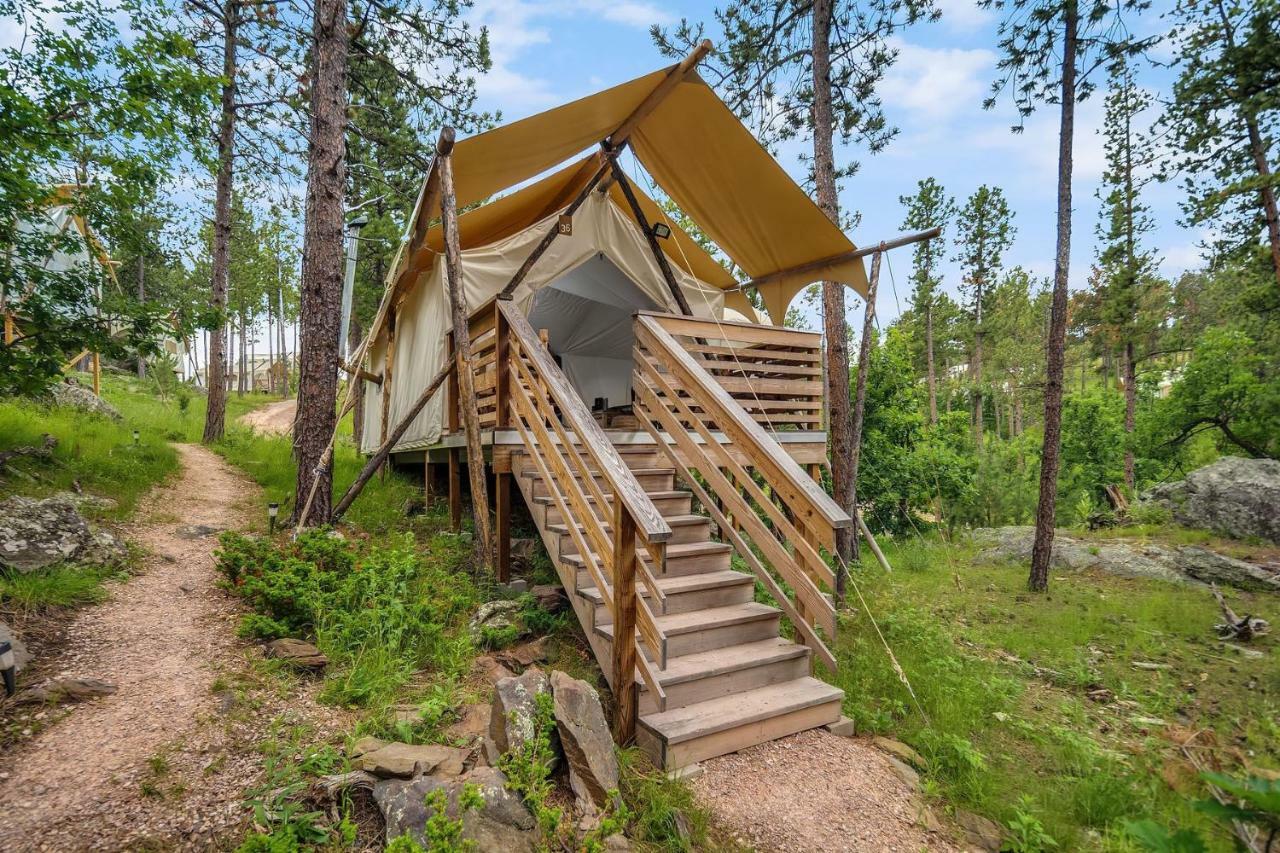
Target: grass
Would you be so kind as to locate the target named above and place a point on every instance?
(1003, 679)
(60, 586)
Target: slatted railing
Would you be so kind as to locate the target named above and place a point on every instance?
(580, 469)
(722, 454)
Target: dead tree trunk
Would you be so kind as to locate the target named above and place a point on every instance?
(1130, 410)
(860, 390)
(322, 258)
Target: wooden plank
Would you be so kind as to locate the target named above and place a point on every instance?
(627, 492)
(808, 356)
(624, 626)
(388, 365)
(455, 489)
(502, 485)
(674, 324)
(779, 468)
(815, 268)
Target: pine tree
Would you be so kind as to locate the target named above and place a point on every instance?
(793, 68)
(1049, 48)
(984, 232)
(1224, 117)
(929, 207)
(1125, 265)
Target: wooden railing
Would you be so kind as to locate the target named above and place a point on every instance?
(762, 501)
(580, 469)
(484, 366)
(774, 374)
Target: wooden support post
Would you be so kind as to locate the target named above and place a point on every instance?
(388, 364)
(625, 690)
(455, 489)
(97, 375)
(647, 229)
(378, 459)
(462, 347)
(9, 332)
(502, 485)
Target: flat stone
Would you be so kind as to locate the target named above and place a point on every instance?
(502, 823)
(979, 831)
(473, 725)
(197, 531)
(511, 723)
(65, 690)
(364, 745)
(403, 760)
(842, 727)
(900, 751)
(905, 772)
(496, 616)
(525, 654)
(584, 735)
(37, 534)
(298, 653)
(550, 597)
(490, 669)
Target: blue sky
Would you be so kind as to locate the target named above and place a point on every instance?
(550, 51)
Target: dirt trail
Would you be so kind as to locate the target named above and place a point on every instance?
(164, 762)
(276, 418)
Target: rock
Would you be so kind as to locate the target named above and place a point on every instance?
(900, 751)
(405, 760)
(489, 753)
(197, 531)
(21, 656)
(1211, 567)
(488, 668)
(364, 745)
(617, 843)
(413, 505)
(297, 653)
(979, 831)
(496, 616)
(1233, 496)
(585, 738)
(550, 597)
(842, 727)
(905, 772)
(473, 725)
(65, 690)
(525, 654)
(81, 500)
(71, 394)
(518, 586)
(36, 534)
(501, 823)
(515, 708)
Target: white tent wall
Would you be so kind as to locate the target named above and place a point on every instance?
(599, 228)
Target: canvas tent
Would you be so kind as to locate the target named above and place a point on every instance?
(585, 284)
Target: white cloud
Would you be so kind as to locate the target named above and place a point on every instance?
(628, 12)
(964, 16)
(936, 83)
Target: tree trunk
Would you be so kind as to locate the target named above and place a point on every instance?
(271, 348)
(833, 325)
(244, 333)
(1258, 150)
(216, 410)
(142, 297)
(284, 355)
(860, 392)
(1042, 547)
(322, 258)
(995, 410)
(933, 378)
(1130, 406)
(975, 373)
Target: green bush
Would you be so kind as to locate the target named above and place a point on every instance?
(380, 612)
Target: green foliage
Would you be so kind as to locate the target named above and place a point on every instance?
(442, 834)
(1152, 837)
(1092, 448)
(528, 769)
(279, 803)
(662, 811)
(1256, 801)
(380, 612)
(1026, 832)
(59, 586)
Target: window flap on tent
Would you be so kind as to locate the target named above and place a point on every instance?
(719, 174)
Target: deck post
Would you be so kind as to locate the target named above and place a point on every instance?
(625, 690)
(502, 478)
(453, 408)
(502, 486)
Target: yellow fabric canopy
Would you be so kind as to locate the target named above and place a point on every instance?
(698, 153)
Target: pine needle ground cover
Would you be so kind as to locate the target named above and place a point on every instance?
(1067, 709)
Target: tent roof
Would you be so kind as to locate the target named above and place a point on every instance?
(694, 148)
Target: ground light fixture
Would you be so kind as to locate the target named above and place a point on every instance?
(8, 667)
(273, 511)
(661, 230)
(137, 438)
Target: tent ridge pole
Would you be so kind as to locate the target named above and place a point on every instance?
(663, 264)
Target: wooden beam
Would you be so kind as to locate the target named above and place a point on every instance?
(360, 373)
(659, 94)
(388, 364)
(502, 483)
(625, 690)
(483, 541)
(380, 457)
(823, 264)
(658, 255)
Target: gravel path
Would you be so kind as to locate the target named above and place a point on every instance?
(815, 792)
(164, 762)
(275, 418)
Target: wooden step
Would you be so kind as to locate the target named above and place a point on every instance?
(685, 529)
(732, 669)
(685, 593)
(690, 559)
(712, 628)
(681, 736)
(669, 502)
(655, 479)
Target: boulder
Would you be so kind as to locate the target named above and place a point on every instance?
(501, 823)
(405, 760)
(585, 738)
(980, 832)
(473, 725)
(550, 597)
(515, 707)
(525, 654)
(496, 616)
(36, 534)
(296, 653)
(71, 394)
(83, 500)
(65, 690)
(1211, 567)
(1234, 497)
(21, 656)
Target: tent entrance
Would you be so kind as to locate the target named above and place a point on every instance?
(587, 313)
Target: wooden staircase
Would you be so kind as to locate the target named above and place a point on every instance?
(699, 667)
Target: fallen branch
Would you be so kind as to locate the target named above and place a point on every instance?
(1236, 628)
(44, 451)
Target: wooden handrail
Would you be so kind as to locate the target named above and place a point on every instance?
(650, 525)
(816, 509)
